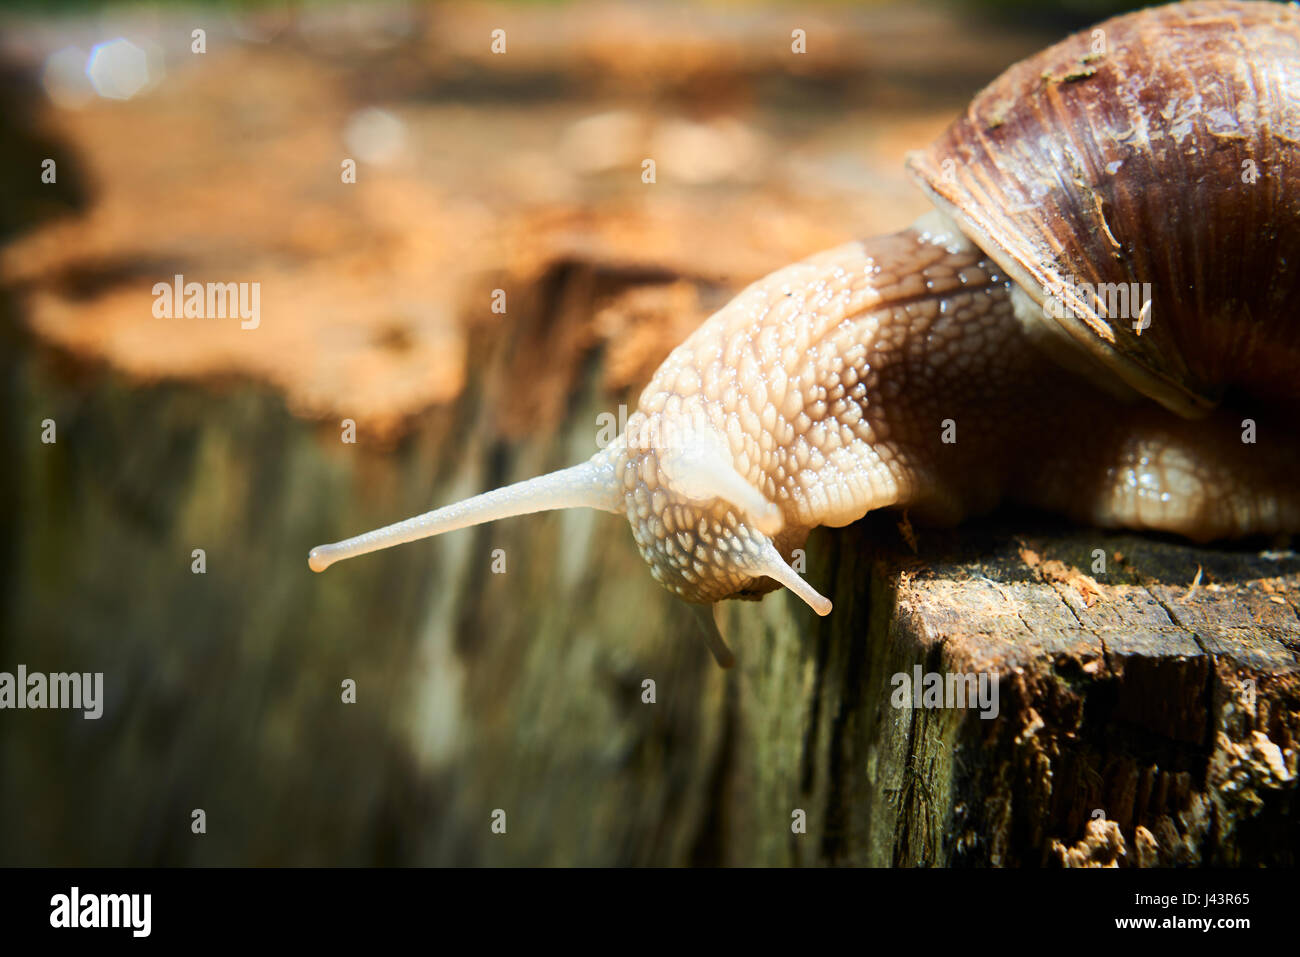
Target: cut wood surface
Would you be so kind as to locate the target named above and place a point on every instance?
(1146, 710)
(1147, 706)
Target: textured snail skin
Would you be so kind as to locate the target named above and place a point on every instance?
(827, 389)
(909, 371)
(835, 382)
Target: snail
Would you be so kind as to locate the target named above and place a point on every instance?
(1097, 318)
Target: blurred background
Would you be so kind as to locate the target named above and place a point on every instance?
(223, 156)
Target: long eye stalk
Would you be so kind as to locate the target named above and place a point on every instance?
(593, 484)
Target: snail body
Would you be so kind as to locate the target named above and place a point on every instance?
(1104, 296)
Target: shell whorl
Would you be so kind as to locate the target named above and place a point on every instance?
(1161, 147)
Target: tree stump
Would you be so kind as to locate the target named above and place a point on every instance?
(1146, 713)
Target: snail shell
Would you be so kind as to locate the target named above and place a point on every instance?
(1160, 148)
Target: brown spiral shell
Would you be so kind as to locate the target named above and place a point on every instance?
(1159, 147)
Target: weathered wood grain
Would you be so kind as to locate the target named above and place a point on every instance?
(1141, 721)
